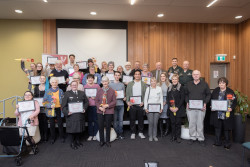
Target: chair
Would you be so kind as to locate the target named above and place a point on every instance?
(245, 146)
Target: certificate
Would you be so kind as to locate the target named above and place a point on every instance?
(90, 92)
(154, 107)
(51, 60)
(39, 100)
(25, 106)
(25, 116)
(135, 100)
(70, 80)
(35, 80)
(95, 81)
(170, 76)
(110, 76)
(219, 105)
(146, 80)
(119, 94)
(75, 107)
(82, 64)
(71, 70)
(127, 78)
(61, 80)
(196, 104)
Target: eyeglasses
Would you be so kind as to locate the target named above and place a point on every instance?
(75, 78)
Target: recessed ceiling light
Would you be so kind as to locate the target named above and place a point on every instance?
(238, 17)
(93, 13)
(211, 3)
(160, 15)
(18, 11)
(132, 2)
(45, 1)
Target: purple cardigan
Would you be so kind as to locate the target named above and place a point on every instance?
(111, 100)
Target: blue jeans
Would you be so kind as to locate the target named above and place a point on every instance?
(118, 119)
(92, 121)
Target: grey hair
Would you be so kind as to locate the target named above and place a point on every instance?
(105, 78)
(52, 79)
(58, 62)
(111, 62)
(76, 75)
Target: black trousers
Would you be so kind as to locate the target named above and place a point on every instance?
(43, 125)
(75, 137)
(107, 118)
(136, 111)
(59, 123)
(218, 137)
(176, 126)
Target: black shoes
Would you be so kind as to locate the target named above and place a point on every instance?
(190, 142)
(73, 146)
(52, 141)
(227, 147)
(102, 144)
(173, 139)
(202, 143)
(79, 144)
(108, 144)
(178, 140)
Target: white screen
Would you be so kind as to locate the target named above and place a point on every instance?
(102, 44)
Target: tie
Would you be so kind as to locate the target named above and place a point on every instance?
(158, 76)
(75, 92)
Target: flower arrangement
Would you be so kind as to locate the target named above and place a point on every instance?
(230, 98)
(53, 103)
(132, 101)
(172, 103)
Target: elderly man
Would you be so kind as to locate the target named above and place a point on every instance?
(137, 67)
(197, 96)
(157, 72)
(60, 73)
(175, 69)
(186, 75)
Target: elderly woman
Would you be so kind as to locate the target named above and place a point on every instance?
(76, 71)
(52, 101)
(105, 104)
(33, 129)
(76, 77)
(75, 123)
(176, 110)
(164, 84)
(153, 95)
(127, 69)
(145, 72)
(221, 119)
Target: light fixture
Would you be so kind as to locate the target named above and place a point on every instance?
(132, 2)
(160, 15)
(211, 3)
(238, 17)
(18, 11)
(45, 1)
(93, 13)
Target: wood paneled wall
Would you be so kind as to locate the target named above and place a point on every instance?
(49, 36)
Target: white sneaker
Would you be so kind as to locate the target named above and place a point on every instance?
(141, 136)
(94, 138)
(155, 139)
(150, 138)
(90, 138)
(132, 136)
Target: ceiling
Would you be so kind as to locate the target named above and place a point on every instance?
(193, 11)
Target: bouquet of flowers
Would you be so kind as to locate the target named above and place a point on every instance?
(104, 99)
(132, 101)
(172, 103)
(53, 103)
(229, 100)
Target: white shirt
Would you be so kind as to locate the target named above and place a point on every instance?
(137, 89)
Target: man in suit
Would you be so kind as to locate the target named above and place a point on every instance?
(157, 72)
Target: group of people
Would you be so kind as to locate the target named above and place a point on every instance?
(104, 95)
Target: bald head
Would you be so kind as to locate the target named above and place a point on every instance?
(186, 65)
(196, 75)
(158, 66)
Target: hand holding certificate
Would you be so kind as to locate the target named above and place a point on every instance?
(90, 92)
(127, 78)
(61, 80)
(146, 80)
(156, 108)
(196, 104)
(110, 76)
(119, 94)
(40, 101)
(75, 107)
(35, 80)
(135, 100)
(219, 105)
(51, 60)
(82, 64)
(27, 105)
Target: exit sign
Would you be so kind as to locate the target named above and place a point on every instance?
(221, 57)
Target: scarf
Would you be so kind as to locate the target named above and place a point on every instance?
(54, 90)
(127, 72)
(104, 96)
(221, 114)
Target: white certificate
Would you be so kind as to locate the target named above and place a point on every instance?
(25, 106)
(135, 100)
(154, 108)
(51, 60)
(120, 94)
(82, 64)
(75, 107)
(70, 80)
(127, 78)
(71, 70)
(25, 116)
(170, 76)
(146, 80)
(95, 81)
(219, 105)
(39, 100)
(35, 80)
(61, 80)
(90, 92)
(110, 76)
(196, 104)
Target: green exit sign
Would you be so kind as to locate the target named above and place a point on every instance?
(221, 57)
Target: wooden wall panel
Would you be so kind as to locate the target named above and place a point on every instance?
(49, 36)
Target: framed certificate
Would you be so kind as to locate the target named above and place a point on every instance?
(219, 105)
(170, 76)
(71, 70)
(154, 107)
(75, 107)
(39, 100)
(51, 60)
(135, 100)
(146, 80)
(35, 80)
(127, 78)
(82, 64)
(120, 94)
(70, 79)
(196, 104)
(95, 81)
(61, 80)
(110, 76)
(25, 106)
(90, 92)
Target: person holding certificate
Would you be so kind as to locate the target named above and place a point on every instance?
(97, 76)
(153, 105)
(104, 68)
(223, 119)
(76, 78)
(39, 92)
(175, 69)
(52, 101)
(119, 108)
(137, 67)
(76, 71)
(197, 96)
(145, 72)
(127, 69)
(74, 105)
(91, 112)
(32, 114)
(176, 110)
(134, 95)
(110, 73)
(164, 84)
(71, 63)
(105, 103)
(30, 72)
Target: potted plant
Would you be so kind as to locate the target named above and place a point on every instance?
(185, 130)
(241, 112)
